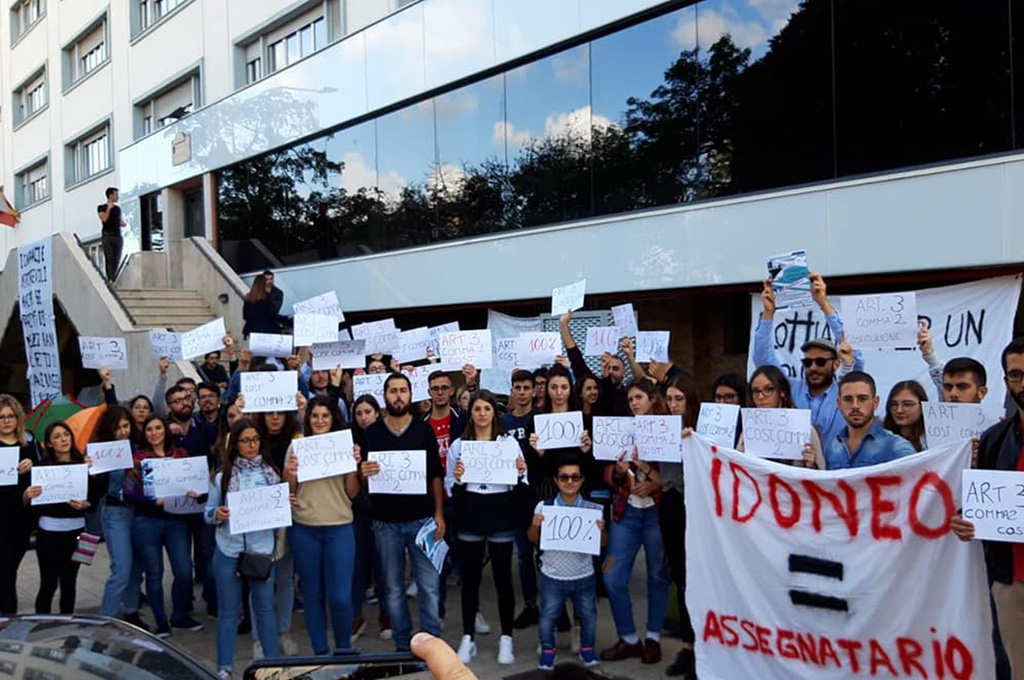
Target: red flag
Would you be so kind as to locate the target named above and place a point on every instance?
(8, 215)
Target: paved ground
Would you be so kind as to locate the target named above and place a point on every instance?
(200, 644)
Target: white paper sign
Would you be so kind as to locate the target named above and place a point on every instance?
(201, 341)
(324, 455)
(613, 436)
(412, 345)
(401, 472)
(776, 432)
(880, 321)
(625, 319)
(498, 378)
(270, 345)
(419, 377)
(369, 383)
(717, 422)
(178, 476)
(601, 339)
(344, 335)
(946, 422)
(570, 529)
(534, 350)
(183, 505)
(466, 347)
(490, 462)
(165, 344)
(652, 346)
(558, 430)
(100, 352)
(993, 500)
(344, 353)
(658, 437)
(265, 507)
(35, 299)
(568, 298)
(266, 391)
(107, 456)
(9, 459)
(61, 483)
(325, 303)
(313, 328)
(381, 336)
(435, 335)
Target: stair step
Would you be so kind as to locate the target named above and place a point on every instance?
(158, 303)
(158, 294)
(200, 317)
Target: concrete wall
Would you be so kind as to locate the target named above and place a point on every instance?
(204, 271)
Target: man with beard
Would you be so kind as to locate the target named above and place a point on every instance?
(612, 399)
(398, 518)
(209, 401)
(864, 441)
(822, 361)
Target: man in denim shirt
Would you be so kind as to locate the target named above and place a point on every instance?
(864, 441)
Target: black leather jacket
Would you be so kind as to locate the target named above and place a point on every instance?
(1000, 449)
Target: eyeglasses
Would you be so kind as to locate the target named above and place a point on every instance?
(766, 392)
(441, 388)
(570, 479)
(1014, 376)
(820, 362)
(249, 441)
(732, 398)
(904, 405)
(8, 416)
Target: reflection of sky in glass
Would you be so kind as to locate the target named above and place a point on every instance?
(467, 121)
(751, 23)
(549, 97)
(356, 148)
(405, 147)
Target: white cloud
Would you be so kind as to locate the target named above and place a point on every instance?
(446, 179)
(459, 32)
(768, 18)
(577, 123)
(507, 132)
(357, 174)
(571, 66)
(458, 103)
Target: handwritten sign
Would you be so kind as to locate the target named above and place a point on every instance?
(568, 298)
(946, 422)
(100, 352)
(369, 383)
(324, 455)
(183, 505)
(107, 456)
(717, 422)
(265, 507)
(326, 304)
(201, 341)
(538, 349)
(993, 500)
(601, 339)
(558, 430)
(401, 472)
(419, 377)
(381, 336)
(625, 320)
(466, 347)
(612, 437)
(313, 328)
(9, 459)
(165, 344)
(791, 279)
(435, 335)
(267, 391)
(35, 300)
(178, 476)
(570, 529)
(498, 378)
(490, 462)
(776, 432)
(658, 438)
(652, 346)
(880, 321)
(412, 345)
(61, 483)
(344, 353)
(270, 345)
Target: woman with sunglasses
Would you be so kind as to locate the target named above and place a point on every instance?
(18, 522)
(903, 412)
(769, 388)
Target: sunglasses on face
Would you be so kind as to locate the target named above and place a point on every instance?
(569, 478)
(820, 362)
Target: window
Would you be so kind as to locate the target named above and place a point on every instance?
(86, 52)
(89, 155)
(24, 15)
(32, 184)
(253, 71)
(169, 105)
(298, 44)
(148, 13)
(30, 98)
(289, 39)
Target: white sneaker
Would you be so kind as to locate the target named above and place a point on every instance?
(223, 674)
(575, 639)
(412, 590)
(288, 645)
(506, 651)
(257, 649)
(482, 627)
(467, 649)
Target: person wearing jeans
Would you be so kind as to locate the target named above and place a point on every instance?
(393, 541)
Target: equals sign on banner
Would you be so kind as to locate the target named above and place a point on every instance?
(805, 564)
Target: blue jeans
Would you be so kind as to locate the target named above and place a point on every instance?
(229, 600)
(362, 527)
(284, 593)
(637, 527)
(150, 536)
(553, 594)
(393, 539)
(324, 558)
(117, 529)
(527, 567)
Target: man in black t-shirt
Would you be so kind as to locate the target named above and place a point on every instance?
(110, 217)
(398, 518)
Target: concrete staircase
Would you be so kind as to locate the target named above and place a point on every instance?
(178, 310)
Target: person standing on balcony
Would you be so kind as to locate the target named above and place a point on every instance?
(113, 242)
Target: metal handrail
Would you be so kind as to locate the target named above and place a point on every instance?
(103, 277)
(225, 273)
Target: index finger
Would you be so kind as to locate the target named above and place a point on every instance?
(440, 658)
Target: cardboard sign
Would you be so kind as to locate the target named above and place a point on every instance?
(314, 328)
(165, 344)
(490, 462)
(266, 391)
(412, 345)
(570, 529)
(100, 352)
(466, 347)
(993, 500)
(791, 280)
(947, 422)
(381, 336)
(178, 476)
(324, 455)
(9, 459)
(183, 505)
(534, 350)
(625, 320)
(201, 341)
(401, 472)
(61, 483)
(270, 345)
(558, 430)
(718, 422)
(568, 298)
(658, 438)
(652, 346)
(344, 353)
(369, 383)
(326, 304)
(265, 507)
(612, 437)
(107, 456)
(880, 321)
(776, 432)
(602, 339)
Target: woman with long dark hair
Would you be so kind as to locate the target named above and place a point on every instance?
(559, 398)
(903, 414)
(260, 309)
(770, 388)
(18, 522)
(140, 407)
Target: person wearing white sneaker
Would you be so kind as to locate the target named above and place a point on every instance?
(481, 625)
(467, 649)
(506, 651)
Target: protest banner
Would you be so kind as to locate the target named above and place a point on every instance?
(270, 345)
(992, 502)
(267, 391)
(201, 341)
(326, 304)
(35, 308)
(613, 437)
(100, 352)
(820, 567)
(625, 320)
(107, 456)
(177, 476)
(657, 438)
(791, 280)
(9, 459)
(718, 422)
(969, 319)
(490, 462)
(265, 507)
(884, 320)
(568, 298)
(652, 346)
(314, 328)
(776, 432)
(344, 353)
(61, 483)
(412, 345)
(947, 422)
(570, 529)
(183, 505)
(558, 430)
(165, 344)
(381, 336)
(324, 455)
(419, 378)
(466, 347)
(534, 350)
(369, 383)
(601, 339)
(401, 472)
